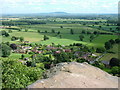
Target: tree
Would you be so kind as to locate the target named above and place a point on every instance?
(88, 32)
(108, 45)
(5, 50)
(117, 40)
(14, 38)
(111, 41)
(21, 39)
(38, 31)
(45, 31)
(71, 31)
(61, 26)
(83, 32)
(114, 62)
(110, 29)
(9, 31)
(100, 26)
(95, 32)
(19, 30)
(53, 31)
(91, 38)
(22, 56)
(4, 33)
(81, 37)
(100, 50)
(26, 30)
(13, 46)
(60, 36)
(115, 70)
(7, 35)
(18, 75)
(45, 37)
(58, 32)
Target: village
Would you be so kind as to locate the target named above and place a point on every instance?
(73, 52)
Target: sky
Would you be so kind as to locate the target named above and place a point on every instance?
(70, 6)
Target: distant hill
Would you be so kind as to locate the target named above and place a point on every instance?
(59, 13)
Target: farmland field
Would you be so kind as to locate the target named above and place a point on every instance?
(66, 38)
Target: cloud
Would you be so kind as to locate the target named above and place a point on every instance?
(65, 5)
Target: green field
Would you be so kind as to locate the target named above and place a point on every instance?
(17, 56)
(108, 56)
(34, 37)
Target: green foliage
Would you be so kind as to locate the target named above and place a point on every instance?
(26, 30)
(22, 56)
(21, 39)
(100, 50)
(53, 31)
(114, 62)
(117, 40)
(6, 50)
(45, 37)
(81, 37)
(83, 32)
(4, 33)
(115, 70)
(13, 46)
(17, 75)
(80, 60)
(91, 37)
(71, 31)
(38, 31)
(108, 45)
(9, 31)
(13, 38)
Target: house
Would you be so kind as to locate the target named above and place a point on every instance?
(57, 52)
(94, 55)
(106, 63)
(39, 52)
(26, 42)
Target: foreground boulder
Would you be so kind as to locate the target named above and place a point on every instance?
(76, 75)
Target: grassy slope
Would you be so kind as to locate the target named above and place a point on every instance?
(67, 38)
(17, 55)
(108, 56)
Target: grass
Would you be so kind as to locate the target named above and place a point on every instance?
(101, 39)
(67, 38)
(18, 55)
(108, 56)
(28, 36)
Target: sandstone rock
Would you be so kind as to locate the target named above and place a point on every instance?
(76, 75)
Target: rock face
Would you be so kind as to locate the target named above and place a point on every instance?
(76, 75)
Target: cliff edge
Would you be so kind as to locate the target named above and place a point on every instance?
(76, 75)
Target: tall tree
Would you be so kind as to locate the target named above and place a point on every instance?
(21, 39)
(71, 31)
(81, 37)
(5, 50)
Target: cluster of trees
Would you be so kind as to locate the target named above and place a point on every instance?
(113, 68)
(4, 33)
(17, 75)
(13, 38)
(22, 22)
(81, 37)
(45, 37)
(109, 44)
(5, 50)
(11, 28)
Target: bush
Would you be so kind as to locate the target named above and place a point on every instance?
(114, 62)
(100, 50)
(17, 75)
(6, 50)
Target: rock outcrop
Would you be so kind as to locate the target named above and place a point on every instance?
(76, 75)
